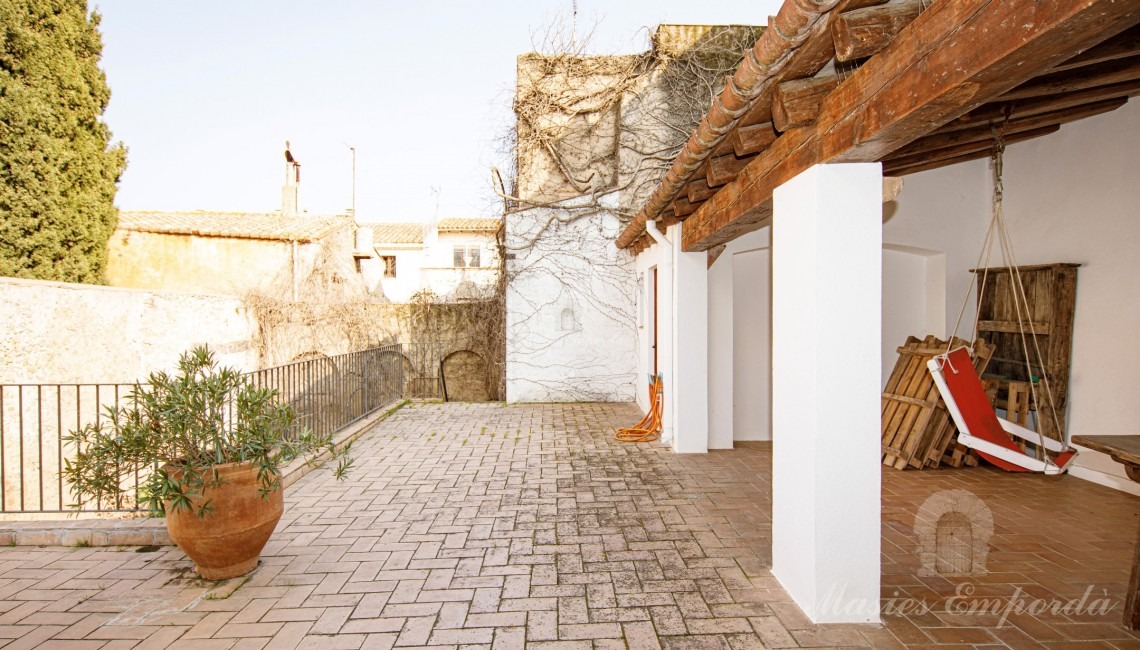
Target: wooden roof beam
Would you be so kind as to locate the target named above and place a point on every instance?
(796, 103)
(749, 140)
(953, 58)
(807, 61)
(893, 165)
(796, 44)
(713, 254)
(985, 133)
(936, 164)
(1092, 76)
(699, 191)
(682, 207)
(1124, 44)
(861, 33)
(996, 111)
(721, 171)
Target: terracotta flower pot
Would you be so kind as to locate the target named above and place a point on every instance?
(227, 542)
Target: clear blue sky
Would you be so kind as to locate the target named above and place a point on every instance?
(205, 93)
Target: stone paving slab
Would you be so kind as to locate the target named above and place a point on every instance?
(490, 526)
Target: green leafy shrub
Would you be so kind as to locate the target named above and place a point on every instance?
(176, 429)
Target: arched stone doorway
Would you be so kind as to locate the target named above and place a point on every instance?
(465, 375)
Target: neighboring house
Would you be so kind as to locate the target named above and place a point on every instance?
(399, 248)
(234, 253)
(455, 259)
(772, 284)
(463, 258)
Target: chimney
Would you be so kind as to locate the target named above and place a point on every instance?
(289, 200)
(292, 184)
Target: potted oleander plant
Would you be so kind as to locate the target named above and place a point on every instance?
(211, 447)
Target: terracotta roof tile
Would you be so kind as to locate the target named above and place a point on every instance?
(469, 225)
(241, 225)
(397, 233)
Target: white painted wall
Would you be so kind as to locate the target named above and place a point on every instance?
(1073, 197)
(720, 352)
(1069, 197)
(571, 268)
(63, 333)
(826, 271)
(690, 401)
(409, 261)
(752, 342)
(941, 212)
(914, 298)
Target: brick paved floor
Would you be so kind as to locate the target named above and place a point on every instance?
(478, 526)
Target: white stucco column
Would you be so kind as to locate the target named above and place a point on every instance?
(720, 355)
(826, 296)
(690, 397)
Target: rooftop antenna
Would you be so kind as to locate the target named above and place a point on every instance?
(574, 25)
(353, 150)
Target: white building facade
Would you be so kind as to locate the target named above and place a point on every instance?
(454, 259)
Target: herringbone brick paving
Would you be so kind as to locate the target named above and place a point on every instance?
(485, 526)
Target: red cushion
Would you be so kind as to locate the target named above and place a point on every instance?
(977, 413)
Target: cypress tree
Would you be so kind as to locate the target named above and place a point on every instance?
(58, 168)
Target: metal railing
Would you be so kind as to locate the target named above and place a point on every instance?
(330, 393)
(327, 393)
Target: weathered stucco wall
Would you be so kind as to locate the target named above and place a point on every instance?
(307, 271)
(144, 260)
(571, 300)
(61, 333)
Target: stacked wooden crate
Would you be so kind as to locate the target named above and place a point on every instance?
(917, 429)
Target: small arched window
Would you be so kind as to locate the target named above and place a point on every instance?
(567, 320)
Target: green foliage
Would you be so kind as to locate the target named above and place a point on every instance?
(183, 426)
(58, 169)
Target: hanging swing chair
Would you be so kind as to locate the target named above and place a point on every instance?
(998, 441)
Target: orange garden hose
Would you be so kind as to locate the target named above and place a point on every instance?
(649, 428)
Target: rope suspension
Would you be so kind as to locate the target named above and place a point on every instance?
(998, 230)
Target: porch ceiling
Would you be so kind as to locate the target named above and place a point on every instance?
(930, 87)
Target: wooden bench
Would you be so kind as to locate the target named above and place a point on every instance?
(1126, 451)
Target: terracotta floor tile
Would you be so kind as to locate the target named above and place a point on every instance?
(550, 532)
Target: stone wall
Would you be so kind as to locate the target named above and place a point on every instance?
(76, 333)
(59, 333)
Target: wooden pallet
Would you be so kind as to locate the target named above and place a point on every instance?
(917, 430)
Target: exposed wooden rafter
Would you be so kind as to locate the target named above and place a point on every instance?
(753, 139)
(682, 207)
(986, 133)
(796, 44)
(721, 171)
(699, 191)
(1124, 44)
(953, 58)
(861, 33)
(796, 103)
(907, 164)
(1092, 76)
(995, 112)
